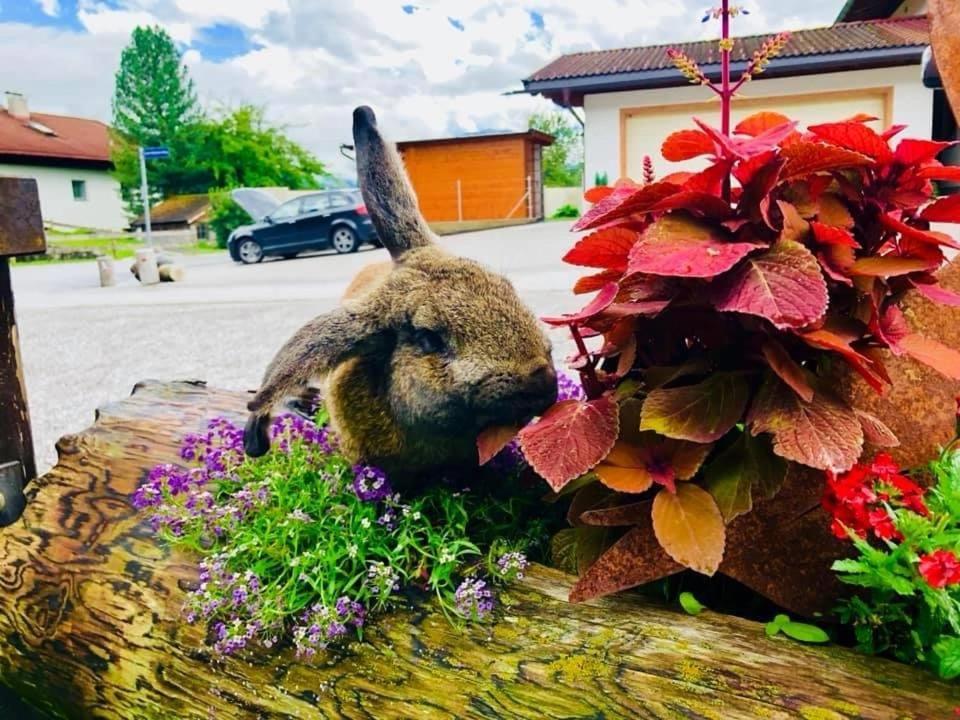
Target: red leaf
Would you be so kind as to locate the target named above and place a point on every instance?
(760, 122)
(701, 203)
(596, 194)
(768, 139)
(914, 233)
(678, 245)
(825, 339)
(783, 285)
(744, 170)
(832, 211)
(709, 180)
(701, 413)
(805, 158)
(686, 144)
(625, 201)
(794, 227)
(823, 434)
(911, 152)
(860, 117)
(787, 369)
(836, 261)
(493, 440)
(828, 235)
(949, 173)
(600, 303)
(592, 283)
(603, 249)
(726, 145)
(570, 439)
(854, 136)
(938, 294)
(941, 358)
(874, 431)
(946, 209)
(889, 266)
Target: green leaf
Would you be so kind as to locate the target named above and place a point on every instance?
(771, 629)
(702, 413)
(690, 604)
(747, 465)
(804, 632)
(947, 651)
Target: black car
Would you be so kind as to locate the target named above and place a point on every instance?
(334, 219)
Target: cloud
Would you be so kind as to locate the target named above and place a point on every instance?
(50, 7)
(429, 68)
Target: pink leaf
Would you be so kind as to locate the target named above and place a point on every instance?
(603, 249)
(827, 235)
(938, 294)
(625, 201)
(570, 439)
(943, 359)
(920, 235)
(596, 306)
(783, 285)
(678, 245)
(874, 431)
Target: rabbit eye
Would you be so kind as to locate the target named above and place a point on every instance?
(428, 341)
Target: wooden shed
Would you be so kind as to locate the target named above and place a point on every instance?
(490, 176)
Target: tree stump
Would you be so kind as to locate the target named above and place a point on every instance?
(91, 625)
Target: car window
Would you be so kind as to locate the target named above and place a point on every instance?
(312, 203)
(286, 211)
(338, 201)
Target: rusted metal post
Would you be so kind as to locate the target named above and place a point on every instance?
(21, 233)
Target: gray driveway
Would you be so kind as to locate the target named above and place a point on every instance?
(84, 345)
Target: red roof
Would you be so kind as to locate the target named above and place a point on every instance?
(73, 139)
(840, 38)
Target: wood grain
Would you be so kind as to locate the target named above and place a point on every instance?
(90, 620)
(21, 225)
(16, 440)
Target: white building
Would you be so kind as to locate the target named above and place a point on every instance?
(70, 160)
(632, 98)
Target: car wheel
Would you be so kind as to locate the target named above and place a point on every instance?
(249, 251)
(344, 240)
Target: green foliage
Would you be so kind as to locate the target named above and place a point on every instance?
(562, 161)
(154, 103)
(690, 604)
(600, 179)
(225, 216)
(802, 632)
(566, 211)
(901, 611)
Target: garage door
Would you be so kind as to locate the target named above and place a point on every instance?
(644, 129)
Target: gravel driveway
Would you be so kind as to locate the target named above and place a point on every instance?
(84, 345)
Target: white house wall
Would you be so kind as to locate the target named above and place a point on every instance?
(912, 105)
(102, 209)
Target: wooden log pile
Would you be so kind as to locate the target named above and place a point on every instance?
(90, 617)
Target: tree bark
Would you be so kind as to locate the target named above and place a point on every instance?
(90, 620)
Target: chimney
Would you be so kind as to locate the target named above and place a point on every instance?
(17, 105)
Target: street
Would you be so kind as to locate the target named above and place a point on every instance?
(84, 345)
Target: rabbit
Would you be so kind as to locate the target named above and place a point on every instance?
(424, 353)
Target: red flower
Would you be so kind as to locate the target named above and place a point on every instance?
(940, 568)
(883, 526)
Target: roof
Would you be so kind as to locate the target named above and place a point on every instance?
(867, 9)
(178, 209)
(844, 46)
(536, 136)
(73, 138)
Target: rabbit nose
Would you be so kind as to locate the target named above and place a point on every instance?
(542, 385)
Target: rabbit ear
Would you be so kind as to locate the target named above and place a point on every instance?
(387, 192)
(313, 350)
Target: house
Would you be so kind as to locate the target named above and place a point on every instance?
(180, 212)
(69, 157)
(487, 176)
(632, 98)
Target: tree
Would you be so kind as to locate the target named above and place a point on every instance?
(154, 102)
(562, 161)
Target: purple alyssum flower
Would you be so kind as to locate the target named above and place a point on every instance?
(512, 565)
(370, 483)
(474, 599)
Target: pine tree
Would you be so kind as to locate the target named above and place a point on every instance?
(154, 96)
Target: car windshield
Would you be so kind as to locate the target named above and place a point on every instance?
(286, 211)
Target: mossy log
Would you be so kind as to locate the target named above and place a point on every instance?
(91, 627)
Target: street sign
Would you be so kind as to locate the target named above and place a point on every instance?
(156, 153)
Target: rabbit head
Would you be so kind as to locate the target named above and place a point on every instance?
(424, 354)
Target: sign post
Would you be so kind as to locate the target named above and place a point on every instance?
(150, 153)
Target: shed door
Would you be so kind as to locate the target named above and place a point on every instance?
(537, 181)
(644, 129)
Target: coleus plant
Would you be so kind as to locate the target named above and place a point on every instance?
(724, 298)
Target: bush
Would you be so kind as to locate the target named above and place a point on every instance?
(566, 211)
(225, 216)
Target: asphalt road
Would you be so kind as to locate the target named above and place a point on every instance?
(84, 345)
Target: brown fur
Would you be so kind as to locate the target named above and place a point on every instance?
(424, 353)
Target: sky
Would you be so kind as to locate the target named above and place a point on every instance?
(430, 68)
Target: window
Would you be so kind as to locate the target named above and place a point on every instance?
(314, 203)
(79, 189)
(203, 231)
(286, 211)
